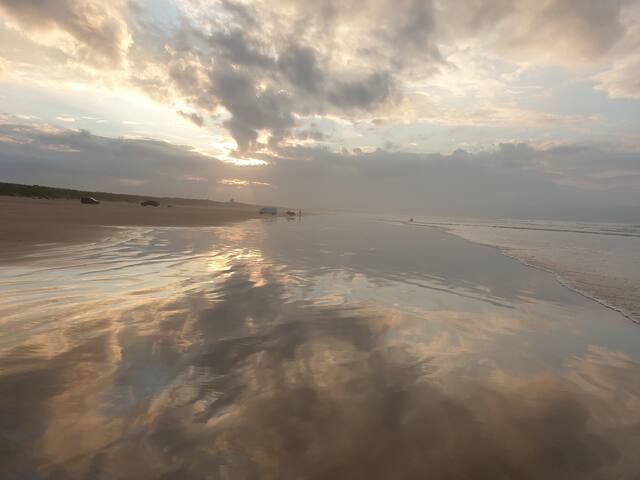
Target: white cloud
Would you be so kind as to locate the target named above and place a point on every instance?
(5, 68)
(567, 32)
(88, 30)
(622, 79)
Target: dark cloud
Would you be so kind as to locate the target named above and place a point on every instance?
(365, 94)
(514, 180)
(239, 50)
(57, 157)
(252, 109)
(193, 117)
(310, 134)
(394, 32)
(414, 34)
(185, 77)
(300, 67)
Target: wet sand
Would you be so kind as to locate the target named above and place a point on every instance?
(29, 224)
(332, 348)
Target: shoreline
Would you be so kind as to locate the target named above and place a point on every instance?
(560, 278)
(30, 225)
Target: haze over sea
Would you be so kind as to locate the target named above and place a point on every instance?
(335, 347)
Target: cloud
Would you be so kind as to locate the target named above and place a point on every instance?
(192, 117)
(412, 31)
(92, 31)
(365, 94)
(300, 67)
(36, 153)
(66, 118)
(511, 180)
(5, 69)
(238, 49)
(621, 80)
(407, 75)
(251, 108)
(560, 31)
(266, 70)
(350, 60)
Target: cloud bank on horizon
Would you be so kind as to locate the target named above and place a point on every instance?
(490, 104)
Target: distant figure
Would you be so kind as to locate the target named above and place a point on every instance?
(411, 220)
(300, 212)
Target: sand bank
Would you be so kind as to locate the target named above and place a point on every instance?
(27, 224)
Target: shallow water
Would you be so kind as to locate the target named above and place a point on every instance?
(339, 347)
(599, 260)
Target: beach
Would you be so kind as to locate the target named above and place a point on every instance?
(28, 224)
(335, 347)
(330, 240)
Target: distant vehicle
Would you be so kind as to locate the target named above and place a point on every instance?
(89, 201)
(291, 213)
(268, 211)
(150, 203)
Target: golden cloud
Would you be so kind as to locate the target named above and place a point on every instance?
(235, 182)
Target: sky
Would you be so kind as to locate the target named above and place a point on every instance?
(430, 107)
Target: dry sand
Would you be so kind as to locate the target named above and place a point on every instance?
(28, 224)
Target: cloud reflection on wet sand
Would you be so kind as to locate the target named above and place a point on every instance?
(236, 377)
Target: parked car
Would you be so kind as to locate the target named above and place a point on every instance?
(291, 213)
(268, 211)
(89, 201)
(150, 203)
